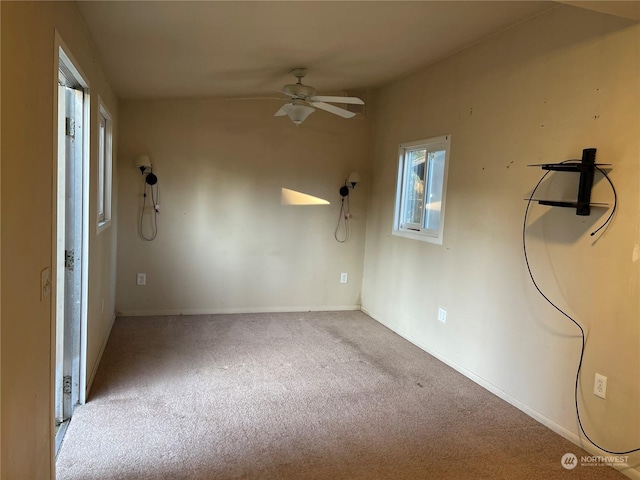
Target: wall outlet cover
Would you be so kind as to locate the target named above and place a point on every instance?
(600, 386)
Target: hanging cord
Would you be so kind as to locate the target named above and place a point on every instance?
(343, 219)
(155, 201)
(582, 334)
(615, 202)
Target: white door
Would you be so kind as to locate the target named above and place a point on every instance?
(69, 251)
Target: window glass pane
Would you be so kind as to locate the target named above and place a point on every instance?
(101, 167)
(435, 182)
(414, 183)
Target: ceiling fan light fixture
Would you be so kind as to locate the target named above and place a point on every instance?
(298, 113)
(304, 95)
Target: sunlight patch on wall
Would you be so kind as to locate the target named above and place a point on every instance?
(291, 197)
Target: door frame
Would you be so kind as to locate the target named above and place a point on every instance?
(63, 56)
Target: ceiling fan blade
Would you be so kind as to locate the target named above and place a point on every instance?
(333, 109)
(280, 113)
(349, 100)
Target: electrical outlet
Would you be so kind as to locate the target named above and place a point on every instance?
(344, 277)
(600, 386)
(141, 279)
(442, 315)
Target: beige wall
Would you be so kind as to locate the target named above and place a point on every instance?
(225, 243)
(540, 92)
(28, 33)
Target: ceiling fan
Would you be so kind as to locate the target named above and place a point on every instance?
(304, 99)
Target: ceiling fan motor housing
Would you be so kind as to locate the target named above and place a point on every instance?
(298, 90)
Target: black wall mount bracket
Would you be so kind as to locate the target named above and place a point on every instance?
(586, 168)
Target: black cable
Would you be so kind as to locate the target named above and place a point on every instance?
(343, 216)
(155, 213)
(526, 259)
(615, 202)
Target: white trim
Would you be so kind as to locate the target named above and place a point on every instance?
(425, 235)
(62, 53)
(94, 370)
(108, 166)
(218, 311)
(625, 469)
(86, 188)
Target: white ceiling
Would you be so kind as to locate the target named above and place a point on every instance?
(157, 49)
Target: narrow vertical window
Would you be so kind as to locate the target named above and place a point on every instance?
(102, 141)
(421, 188)
(104, 168)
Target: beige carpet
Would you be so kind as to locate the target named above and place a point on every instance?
(330, 395)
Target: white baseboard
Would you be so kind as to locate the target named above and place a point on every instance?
(219, 311)
(94, 370)
(625, 469)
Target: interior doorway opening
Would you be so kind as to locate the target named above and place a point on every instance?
(71, 243)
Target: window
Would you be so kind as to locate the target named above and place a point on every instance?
(420, 194)
(104, 168)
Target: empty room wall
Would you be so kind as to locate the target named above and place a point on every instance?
(225, 243)
(28, 86)
(539, 92)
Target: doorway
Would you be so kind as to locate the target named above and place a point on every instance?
(71, 241)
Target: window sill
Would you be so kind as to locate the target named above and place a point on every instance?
(102, 226)
(423, 237)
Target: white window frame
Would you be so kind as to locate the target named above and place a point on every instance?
(417, 231)
(104, 168)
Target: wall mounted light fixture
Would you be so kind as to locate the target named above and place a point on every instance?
(144, 163)
(345, 214)
(354, 178)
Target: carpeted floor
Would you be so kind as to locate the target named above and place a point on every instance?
(319, 395)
